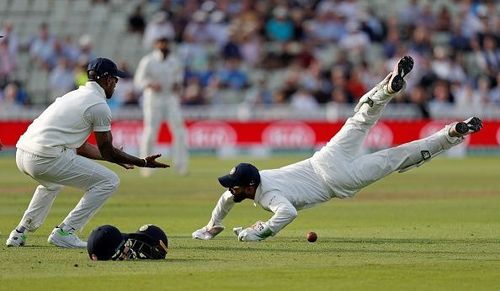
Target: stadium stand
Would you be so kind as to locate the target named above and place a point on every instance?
(82, 29)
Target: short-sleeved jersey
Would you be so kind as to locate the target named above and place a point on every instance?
(68, 122)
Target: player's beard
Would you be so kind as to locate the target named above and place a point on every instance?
(239, 198)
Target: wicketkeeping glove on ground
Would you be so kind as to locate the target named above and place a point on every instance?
(206, 233)
(259, 231)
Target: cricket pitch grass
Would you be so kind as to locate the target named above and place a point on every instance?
(433, 228)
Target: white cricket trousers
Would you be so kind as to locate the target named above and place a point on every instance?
(346, 172)
(155, 109)
(69, 169)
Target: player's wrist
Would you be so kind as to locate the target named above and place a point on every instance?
(145, 162)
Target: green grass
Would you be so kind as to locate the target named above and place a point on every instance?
(433, 228)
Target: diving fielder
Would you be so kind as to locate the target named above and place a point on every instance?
(55, 152)
(336, 171)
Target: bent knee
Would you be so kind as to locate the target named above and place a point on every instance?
(114, 181)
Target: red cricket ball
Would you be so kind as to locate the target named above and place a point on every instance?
(311, 236)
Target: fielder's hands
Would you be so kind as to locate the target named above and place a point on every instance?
(206, 233)
(150, 162)
(257, 232)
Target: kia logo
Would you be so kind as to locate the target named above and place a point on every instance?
(288, 134)
(211, 134)
(380, 136)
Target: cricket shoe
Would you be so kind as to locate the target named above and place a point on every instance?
(402, 68)
(16, 239)
(65, 239)
(206, 233)
(394, 82)
(466, 127)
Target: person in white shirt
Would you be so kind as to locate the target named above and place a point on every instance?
(160, 75)
(336, 171)
(55, 152)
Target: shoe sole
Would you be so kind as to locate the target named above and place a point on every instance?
(475, 124)
(462, 128)
(405, 65)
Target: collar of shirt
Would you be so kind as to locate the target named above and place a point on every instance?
(159, 56)
(93, 86)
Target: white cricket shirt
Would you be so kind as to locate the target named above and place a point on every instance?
(153, 68)
(282, 191)
(68, 122)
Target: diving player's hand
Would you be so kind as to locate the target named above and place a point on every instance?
(259, 231)
(207, 233)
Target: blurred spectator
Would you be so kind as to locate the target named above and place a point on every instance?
(259, 93)
(444, 66)
(248, 21)
(444, 20)
(495, 92)
(125, 94)
(8, 62)
(42, 47)
(231, 49)
(81, 72)
(14, 96)
(193, 94)
(442, 99)
(392, 42)
(61, 79)
(340, 94)
(409, 13)
(8, 32)
(419, 96)
(232, 76)
(488, 57)
(348, 8)
(355, 86)
(420, 41)
(325, 27)
(86, 47)
(303, 100)
(159, 25)
(197, 28)
(458, 41)
(136, 21)
(279, 27)
(252, 49)
(372, 25)
(355, 41)
(70, 50)
(218, 28)
(298, 17)
(426, 18)
(193, 55)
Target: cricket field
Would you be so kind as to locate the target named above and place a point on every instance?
(433, 228)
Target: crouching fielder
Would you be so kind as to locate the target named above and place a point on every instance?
(55, 152)
(335, 171)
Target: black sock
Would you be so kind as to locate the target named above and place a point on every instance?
(21, 229)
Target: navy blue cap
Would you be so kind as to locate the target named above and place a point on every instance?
(104, 241)
(104, 66)
(243, 174)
